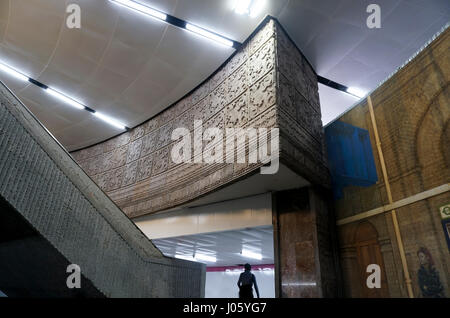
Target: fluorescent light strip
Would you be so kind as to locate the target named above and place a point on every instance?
(141, 9)
(65, 99)
(249, 254)
(174, 21)
(109, 120)
(62, 97)
(185, 257)
(356, 92)
(209, 35)
(12, 72)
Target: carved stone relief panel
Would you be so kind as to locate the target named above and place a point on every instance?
(160, 161)
(262, 94)
(165, 134)
(237, 60)
(218, 78)
(236, 114)
(129, 175)
(261, 37)
(144, 169)
(238, 82)
(137, 133)
(134, 150)
(151, 125)
(183, 105)
(287, 96)
(201, 109)
(200, 93)
(115, 179)
(219, 99)
(262, 61)
(149, 143)
(117, 142)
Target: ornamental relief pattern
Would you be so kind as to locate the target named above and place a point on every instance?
(129, 175)
(165, 134)
(134, 150)
(238, 82)
(262, 94)
(244, 93)
(144, 169)
(219, 99)
(262, 61)
(236, 114)
(261, 37)
(200, 93)
(149, 143)
(160, 161)
(237, 60)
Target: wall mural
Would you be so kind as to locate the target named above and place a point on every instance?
(428, 277)
(444, 211)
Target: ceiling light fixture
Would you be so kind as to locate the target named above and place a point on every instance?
(12, 72)
(250, 254)
(109, 120)
(242, 6)
(355, 92)
(185, 257)
(65, 99)
(205, 258)
(141, 9)
(250, 7)
(209, 35)
(257, 8)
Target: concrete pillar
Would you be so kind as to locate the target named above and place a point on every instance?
(304, 245)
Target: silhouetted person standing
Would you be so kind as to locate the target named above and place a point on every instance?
(246, 282)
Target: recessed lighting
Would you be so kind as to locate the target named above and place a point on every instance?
(13, 72)
(65, 99)
(250, 254)
(110, 120)
(356, 92)
(205, 258)
(209, 35)
(141, 9)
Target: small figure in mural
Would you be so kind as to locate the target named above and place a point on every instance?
(245, 283)
(429, 281)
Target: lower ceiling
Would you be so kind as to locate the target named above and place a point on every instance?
(226, 247)
(130, 67)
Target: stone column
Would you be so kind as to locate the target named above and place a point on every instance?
(304, 244)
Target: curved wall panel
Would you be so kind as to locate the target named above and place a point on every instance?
(266, 84)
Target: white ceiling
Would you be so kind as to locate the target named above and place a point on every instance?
(225, 246)
(131, 67)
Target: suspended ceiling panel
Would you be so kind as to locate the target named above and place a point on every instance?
(130, 67)
(226, 247)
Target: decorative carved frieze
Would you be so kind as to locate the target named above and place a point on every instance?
(149, 143)
(262, 61)
(238, 82)
(144, 169)
(262, 94)
(236, 114)
(134, 150)
(266, 84)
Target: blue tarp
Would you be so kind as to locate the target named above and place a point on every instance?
(350, 157)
